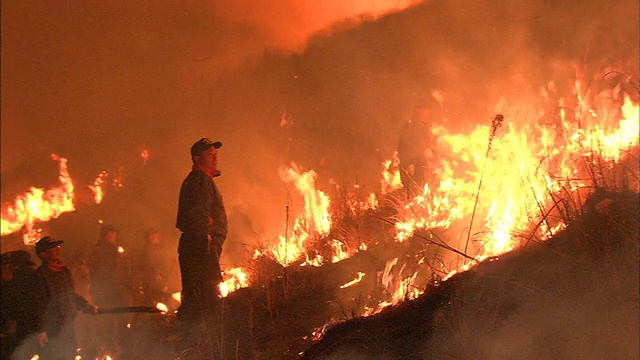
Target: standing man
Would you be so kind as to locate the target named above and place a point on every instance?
(110, 287)
(109, 270)
(203, 222)
(152, 269)
(57, 303)
(16, 302)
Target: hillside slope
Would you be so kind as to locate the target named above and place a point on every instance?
(574, 296)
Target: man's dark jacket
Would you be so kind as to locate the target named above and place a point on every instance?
(200, 213)
(110, 278)
(18, 305)
(58, 303)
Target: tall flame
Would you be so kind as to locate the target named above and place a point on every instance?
(316, 220)
(527, 165)
(316, 202)
(98, 187)
(39, 205)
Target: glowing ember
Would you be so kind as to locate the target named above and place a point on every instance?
(177, 296)
(162, 307)
(39, 205)
(145, 155)
(354, 281)
(120, 249)
(118, 179)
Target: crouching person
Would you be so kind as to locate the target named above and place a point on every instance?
(56, 303)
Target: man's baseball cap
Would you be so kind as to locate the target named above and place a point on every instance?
(47, 243)
(204, 144)
(107, 229)
(5, 259)
(20, 257)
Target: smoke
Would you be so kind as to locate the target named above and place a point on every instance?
(98, 82)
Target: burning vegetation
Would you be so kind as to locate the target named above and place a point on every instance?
(523, 235)
(391, 263)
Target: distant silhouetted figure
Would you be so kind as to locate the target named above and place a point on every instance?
(16, 303)
(111, 286)
(415, 150)
(151, 265)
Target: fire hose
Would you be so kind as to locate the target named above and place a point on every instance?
(128, 309)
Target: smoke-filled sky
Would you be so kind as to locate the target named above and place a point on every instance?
(116, 74)
(98, 81)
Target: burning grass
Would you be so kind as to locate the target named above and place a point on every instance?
(572, 296)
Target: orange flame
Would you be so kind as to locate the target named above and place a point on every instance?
(39, 205)
(316, 202)
(354, 281)
(316, 220)
(145, 155)
(233, 279)
(391, 175)
(97, 187)
(291, 248)
(525, 166)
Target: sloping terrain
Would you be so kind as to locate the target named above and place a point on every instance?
(573, 296)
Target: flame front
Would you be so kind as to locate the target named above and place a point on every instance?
(39, 205)
(527, 165)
